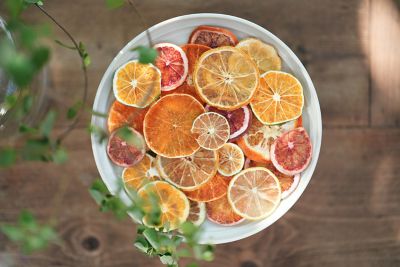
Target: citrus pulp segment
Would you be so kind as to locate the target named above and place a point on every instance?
(190, 172)
(212, 36)
(136, 84)
(167, 125)
(213, 189)
(226, 78)
(173, 204)
(220, 212)
(254, 193)
(122, 115)
(212, 130)
(278, 99)
(197, 212)
(231, 159)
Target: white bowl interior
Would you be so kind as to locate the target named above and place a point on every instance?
(177, 31)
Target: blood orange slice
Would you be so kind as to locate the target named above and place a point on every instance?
(197, 212)
(122, 115)
(220, 212)
(189, 173)
(215, 188)
(291, 152)
(167, 125)
(126, 153)
(173, 64)
(239, 120)
(212, 130)
(212, 36)
(231, 159)
(256, 143)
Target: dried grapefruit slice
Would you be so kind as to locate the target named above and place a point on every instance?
(173, 64)
(189, 173)
(121, 115)
(126, 153)
(263, 54)
(212, 130)
(239, 120)
(231, 159)
(136, 84)
(213, 189)
(256, 143)
(212, 36)
(173, 204)
(167, 125)
(142, 173)
(291, 152)
(278, 99)
(197, 212)
(254, 193)
(226, 78)
(220, 212)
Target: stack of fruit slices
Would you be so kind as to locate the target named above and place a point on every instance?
(215, 129)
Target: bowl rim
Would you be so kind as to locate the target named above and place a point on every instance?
(313, 96)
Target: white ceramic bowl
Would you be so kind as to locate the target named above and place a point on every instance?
(177, 31)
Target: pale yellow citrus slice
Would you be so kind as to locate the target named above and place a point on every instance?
(189, 173)
(231, 159)
(254, 193)
(136, 84)
(278, 99)
(226, 78)
(197, 212)
(173, 204)
(263, 54)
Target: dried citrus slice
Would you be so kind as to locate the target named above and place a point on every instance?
(189, 173)
(212, 36)
(173, 204)
(288, 183)
(136, 84)
(254, 193)
(231, 159)
(121, 115)
(263, 54)
(173, 64)
(226, 78)
(291, 152)
(193, 53)
(197, 212)
(213, 189)
(220, 212)
(126, 153)
(142, 173)
(185, 89)
(256, 143)
(167, 125)
(212, 130)
(278, 99)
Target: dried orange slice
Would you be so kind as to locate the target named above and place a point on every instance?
(173, 204)
(215, 188)
(220, 212)
(190, 172)
(193, 53)
(212, 130)
(263, 54)
(197, 212)
(231, 159)
(142, 173)
(136, 84)
(256, 143)
(167, 125)
(185, 88)
(254, 193)
(278, 99)
(121, 115)
(226, 78)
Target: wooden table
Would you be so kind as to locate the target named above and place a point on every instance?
(350, 213)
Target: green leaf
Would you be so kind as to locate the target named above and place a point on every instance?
(47, 233)
(98, 132)
(192, 264)
(60, 156)
(7, 157)
(27, 103)
(152, 237)
(11, 100)
(36, 149)
(167, 260)
(39, 2)
(84, 55)
(40, 56)
(99, 186)
(47, 124)
(15, 7)
(23, 128)
(73, 111)
(113, 4)
(26, 219)
(146, 54)
(142, 244)
(13, 233)
(126, 134)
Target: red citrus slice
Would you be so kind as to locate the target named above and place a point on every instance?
(126, 153)
(291, 152)
(220, 212)
(197, 212)
(212, 36)
(239, 120)
(215, 188)
(173, 64)
(121, 115)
